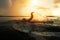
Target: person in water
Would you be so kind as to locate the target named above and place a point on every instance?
(28, 20)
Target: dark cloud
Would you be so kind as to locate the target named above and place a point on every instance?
(4, 3)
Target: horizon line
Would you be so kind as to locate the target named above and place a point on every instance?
(14, 16)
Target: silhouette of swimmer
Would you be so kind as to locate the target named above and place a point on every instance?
(31, 16)
(28, 20)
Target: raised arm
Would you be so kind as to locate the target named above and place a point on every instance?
(31, 17)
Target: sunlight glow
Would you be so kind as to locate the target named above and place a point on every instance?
(29, 7)
(56, 12)
(34, 6)
(34, 2)
(10, 2)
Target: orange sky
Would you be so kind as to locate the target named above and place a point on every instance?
(25, 7)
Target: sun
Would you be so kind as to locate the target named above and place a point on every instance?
(34, 2)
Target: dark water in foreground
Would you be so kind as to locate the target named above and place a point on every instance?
(9, 31)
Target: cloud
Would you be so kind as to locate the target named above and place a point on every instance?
(3, 3)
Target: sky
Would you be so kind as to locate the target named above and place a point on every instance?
(10, 8)
(3, 3)
(16, 4)
(23, 7)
